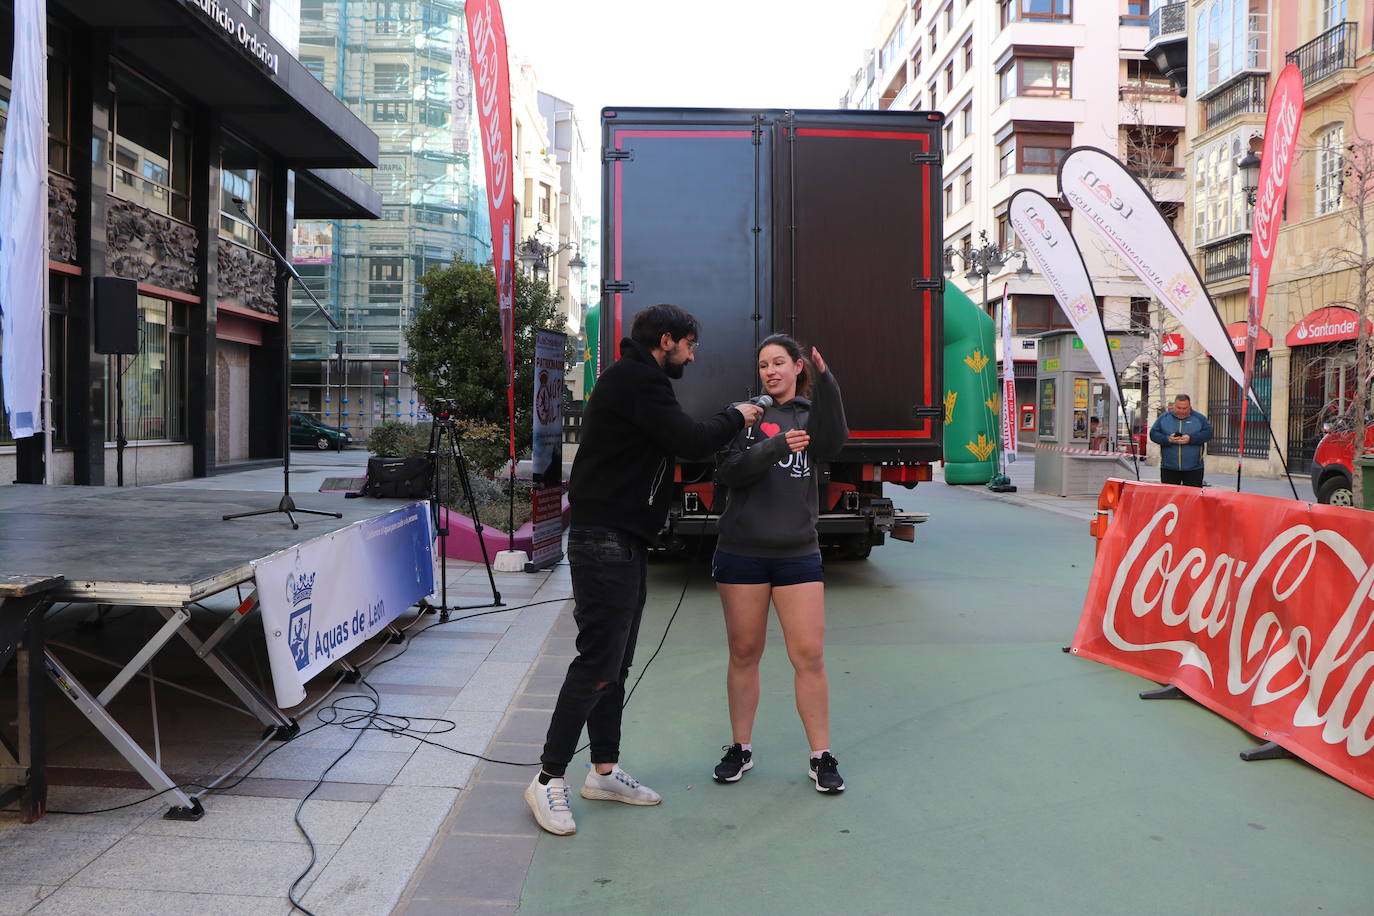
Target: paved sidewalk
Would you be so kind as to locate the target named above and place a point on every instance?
(374, 817)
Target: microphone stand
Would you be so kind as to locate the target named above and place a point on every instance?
(287, 505)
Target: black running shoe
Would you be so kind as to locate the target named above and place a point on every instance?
(825, 770)
(734, 763)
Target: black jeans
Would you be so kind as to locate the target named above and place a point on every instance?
(1191, 478)
(608, 568)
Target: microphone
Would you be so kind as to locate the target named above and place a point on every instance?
(762, 400)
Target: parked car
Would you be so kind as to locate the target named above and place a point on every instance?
(308, 432)
(1333, 466)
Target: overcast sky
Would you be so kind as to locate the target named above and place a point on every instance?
(707, 54)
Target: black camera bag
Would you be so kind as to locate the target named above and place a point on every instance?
(397, 478)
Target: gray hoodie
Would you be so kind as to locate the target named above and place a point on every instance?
(772, 503)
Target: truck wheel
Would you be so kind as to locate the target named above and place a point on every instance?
(1336, 491)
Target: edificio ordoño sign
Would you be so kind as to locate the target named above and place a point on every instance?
(243, 30)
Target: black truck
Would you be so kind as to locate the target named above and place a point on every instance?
(825, 225)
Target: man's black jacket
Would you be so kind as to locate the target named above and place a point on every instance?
(632, 433)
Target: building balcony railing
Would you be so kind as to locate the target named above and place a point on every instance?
(1247, 95)
(1328, 53)
(1228, 260)
(1169, 21)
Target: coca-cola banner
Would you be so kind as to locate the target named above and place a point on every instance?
(487, 47)
(1052, 248)
(1258, 608)
(1008, 383)
(1097, 185)
(1280, 143)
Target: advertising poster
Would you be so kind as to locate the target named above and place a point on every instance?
(312, 242)
(322, 599)
(547, 518)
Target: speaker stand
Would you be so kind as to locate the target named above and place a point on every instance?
(286, 506)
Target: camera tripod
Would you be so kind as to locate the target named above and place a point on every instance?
(444, 431)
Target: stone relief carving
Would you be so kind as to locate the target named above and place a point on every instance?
(150, 247)
(247, 279)
(61, 219)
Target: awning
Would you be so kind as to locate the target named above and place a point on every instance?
(1326, 325)
(335, 194)
(1236, 331)
(212, 54)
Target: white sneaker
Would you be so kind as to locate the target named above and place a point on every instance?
(617, 785)
(550, 805)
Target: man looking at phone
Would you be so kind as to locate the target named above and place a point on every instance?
(1180, 434)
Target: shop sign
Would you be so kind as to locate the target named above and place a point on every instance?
(1325, 325)
(1112, 343)
(1236, 330)
(1173, 345)
(1051, 365)
(241, 29)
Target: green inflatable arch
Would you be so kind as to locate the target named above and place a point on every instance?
(970, 391)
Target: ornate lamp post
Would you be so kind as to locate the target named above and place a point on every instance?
(981, 262)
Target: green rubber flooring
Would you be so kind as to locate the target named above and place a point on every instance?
(988, 772)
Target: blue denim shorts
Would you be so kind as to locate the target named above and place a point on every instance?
(733, 569)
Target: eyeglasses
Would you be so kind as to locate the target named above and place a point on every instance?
(693, 344)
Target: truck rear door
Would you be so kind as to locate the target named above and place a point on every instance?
(684, 212)
(858, 245)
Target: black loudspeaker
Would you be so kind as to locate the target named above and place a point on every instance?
(115, 308)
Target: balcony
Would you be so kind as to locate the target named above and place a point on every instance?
(1247, 95)
(1327, 54)
(1168, 45)
(1228, 260)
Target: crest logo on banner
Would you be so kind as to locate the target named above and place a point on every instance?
(299, 589)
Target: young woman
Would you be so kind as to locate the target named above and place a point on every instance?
(767, 549)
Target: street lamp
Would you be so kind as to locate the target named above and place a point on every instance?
(535, 254)
(983, 261)
(1249, 168)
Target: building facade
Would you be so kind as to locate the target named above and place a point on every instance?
(1226, 54)
(1021, 82)
(403, 69)
(162, 115)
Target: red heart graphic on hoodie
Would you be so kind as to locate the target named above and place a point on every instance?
(770, 429)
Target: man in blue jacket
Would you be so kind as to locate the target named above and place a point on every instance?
(1181, 434)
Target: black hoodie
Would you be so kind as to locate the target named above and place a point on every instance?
(632, 433)
(772, 504)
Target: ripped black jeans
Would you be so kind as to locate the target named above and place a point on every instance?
(608, 568)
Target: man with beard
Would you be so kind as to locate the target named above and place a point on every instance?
(619, 491)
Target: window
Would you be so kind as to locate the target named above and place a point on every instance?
(1223, 410)
(153, 382)
(1054, 10)
(1144, 81)
(949, 135)
(892, 49)
(390, 78)
(1232, 36)
(949, 197)
(1219, 207)
(59, 115)
(1138, 9)
(391, 112)
(1006, 236)
(151, 156)
(1006, 12)
(968, 54)
(1333, 13)
(949, 76)
(1041, 156)
(1032, 314)
(1006, 157)
(241, 177)
(314, 65)
(1150, 152)
(312, 10)
(1330, 169)
(966, 179)
(1141, 312)
(1046, 78)
(949, 15)
(966, 117)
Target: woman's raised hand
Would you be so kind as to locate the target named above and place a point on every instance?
(816, 358)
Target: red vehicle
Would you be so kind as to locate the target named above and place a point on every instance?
(1333, 466)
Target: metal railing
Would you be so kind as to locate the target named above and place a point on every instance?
(1169, 20)
(1247, 95)
(1328, 53)
(1229, 260)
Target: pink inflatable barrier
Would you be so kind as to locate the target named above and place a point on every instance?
(462, 536)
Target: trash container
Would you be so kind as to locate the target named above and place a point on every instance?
(1366, 465)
